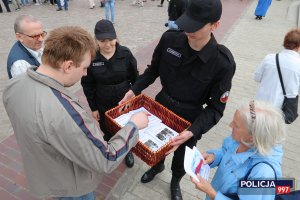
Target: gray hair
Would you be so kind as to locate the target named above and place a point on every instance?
(18, 25)
(267, 127)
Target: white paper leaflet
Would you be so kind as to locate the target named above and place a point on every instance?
(194, 163)
(155, 135)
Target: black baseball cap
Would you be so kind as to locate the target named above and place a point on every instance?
(198, 14)
(104, 29)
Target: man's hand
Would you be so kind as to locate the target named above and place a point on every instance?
(140, 119)
(180, 139)
(204, 186)
(96, 115)
(208, 157)
(127, 96)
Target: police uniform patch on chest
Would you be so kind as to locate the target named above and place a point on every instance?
(96, 64)
(173, 52)
(224, 97)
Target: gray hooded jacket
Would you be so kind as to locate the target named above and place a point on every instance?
(62, 148)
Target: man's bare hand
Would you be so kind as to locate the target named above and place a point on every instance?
(127, 96)
(180, 139)
(96, 115)
(140, 119)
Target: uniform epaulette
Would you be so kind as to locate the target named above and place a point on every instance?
(124, 48)
(174, 30)
(225, 51)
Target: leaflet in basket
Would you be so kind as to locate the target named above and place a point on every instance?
(155, 135)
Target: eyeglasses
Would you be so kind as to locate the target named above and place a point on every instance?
(252, 111)
(36, 37)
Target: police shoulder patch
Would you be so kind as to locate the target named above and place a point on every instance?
(224, 97)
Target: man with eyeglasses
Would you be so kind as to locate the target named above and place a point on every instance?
(27, 51)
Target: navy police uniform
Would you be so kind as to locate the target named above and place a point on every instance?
(107, 81)
(195, 84)
(176, 8)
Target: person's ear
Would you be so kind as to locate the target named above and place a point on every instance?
(19, 37)
(215, 25)
(67, 66)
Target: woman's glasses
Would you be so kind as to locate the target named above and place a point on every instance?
(36, 37)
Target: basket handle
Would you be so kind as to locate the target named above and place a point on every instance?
(124, 107)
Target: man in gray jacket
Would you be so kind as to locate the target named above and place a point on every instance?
(62, 148)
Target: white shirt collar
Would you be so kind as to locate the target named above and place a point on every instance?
(37, 54)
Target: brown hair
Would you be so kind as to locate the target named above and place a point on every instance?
(67, 43)
(292, 39)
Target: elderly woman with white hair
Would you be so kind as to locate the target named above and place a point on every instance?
(254, 147)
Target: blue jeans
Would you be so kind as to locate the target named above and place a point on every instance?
(24, 2)
(65, 4)
(89, 196)
(110, 5)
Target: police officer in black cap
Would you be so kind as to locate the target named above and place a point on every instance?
(109, 76)
(196, 74)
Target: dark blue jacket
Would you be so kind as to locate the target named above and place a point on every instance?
(19, 52)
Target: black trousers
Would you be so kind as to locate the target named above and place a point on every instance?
(177, 166)
(103, 127)
(189, 113)
(5, 2)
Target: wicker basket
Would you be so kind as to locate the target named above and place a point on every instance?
(168, 118)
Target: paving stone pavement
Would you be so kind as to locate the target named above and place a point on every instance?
(138, 28)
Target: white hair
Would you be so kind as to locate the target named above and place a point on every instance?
(267, 129)
(18, 26)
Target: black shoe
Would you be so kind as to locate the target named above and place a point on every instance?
(151, 173)
(129, 159)
(59, 9)
(258, 17)
(175, 189)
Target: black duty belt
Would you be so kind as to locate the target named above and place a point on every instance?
(114, 86)
(179, 104)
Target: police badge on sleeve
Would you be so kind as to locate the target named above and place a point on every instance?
(224, 97)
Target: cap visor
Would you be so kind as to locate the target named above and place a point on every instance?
(188, 24)
(104, 36)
